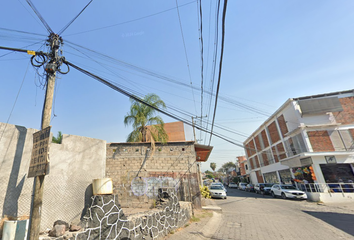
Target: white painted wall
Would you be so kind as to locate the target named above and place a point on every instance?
(73, 165)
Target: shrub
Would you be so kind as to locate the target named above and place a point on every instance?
(205, 191)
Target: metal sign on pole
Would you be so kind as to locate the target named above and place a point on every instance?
(39, 164)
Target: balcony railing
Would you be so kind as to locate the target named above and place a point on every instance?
(326, 187)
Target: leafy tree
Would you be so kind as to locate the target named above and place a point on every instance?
(213, 166)
(229, 165)
(210, 176)
(208, 172)
(141, 116)
(58, 139)
(226, 166)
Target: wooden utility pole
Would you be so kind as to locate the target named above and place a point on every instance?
(39, 180)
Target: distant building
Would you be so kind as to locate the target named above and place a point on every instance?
(174, 130)
(307, 138)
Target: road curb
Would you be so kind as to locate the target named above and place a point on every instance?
(213, 208)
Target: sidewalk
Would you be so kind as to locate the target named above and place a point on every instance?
(202, 229)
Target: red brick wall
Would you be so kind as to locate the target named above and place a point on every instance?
(275, 156)
(174, 130)
(265, 139)
(281, 151)
(258, 144)
(347, 115)
(273, 132)
(259, 177)
(250, 148)
(320, 141)
(265, 159)
(251, 162)
(282, 125)
(257, 162)
(242, 168)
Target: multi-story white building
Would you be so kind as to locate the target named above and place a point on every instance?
(307, 138)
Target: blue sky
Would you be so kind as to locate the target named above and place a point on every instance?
(274, 50)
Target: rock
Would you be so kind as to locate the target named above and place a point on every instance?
(60, 222)
(74, 228)
(57, 231)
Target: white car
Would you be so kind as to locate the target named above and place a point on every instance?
(217, 191)
(242, 186)
(219, 184)
(232, 185)
(287, 191)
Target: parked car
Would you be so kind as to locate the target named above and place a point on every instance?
(242, 186)
(219, 184)
(249, 187)
(217, 191)
(232, 185)
(287, 191)
(263, 188)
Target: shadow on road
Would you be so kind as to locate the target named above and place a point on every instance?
(342, 221)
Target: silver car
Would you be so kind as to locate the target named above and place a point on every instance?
(217, 191)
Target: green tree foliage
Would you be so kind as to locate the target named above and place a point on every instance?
(210, 176)
(229, 165)
(226, 166)
(213, 166)
(58, 139)
(141, 116)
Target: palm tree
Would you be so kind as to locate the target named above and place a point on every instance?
(144, 120)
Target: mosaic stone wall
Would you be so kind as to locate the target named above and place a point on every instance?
(105, 219)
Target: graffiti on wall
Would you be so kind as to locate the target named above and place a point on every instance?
(149, 186)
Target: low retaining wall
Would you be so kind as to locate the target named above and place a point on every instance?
(330, 197)
(105, 219)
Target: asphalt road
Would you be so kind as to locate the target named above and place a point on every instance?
(248, 216)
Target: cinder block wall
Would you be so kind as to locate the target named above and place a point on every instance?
(73, 165)
(136, 182)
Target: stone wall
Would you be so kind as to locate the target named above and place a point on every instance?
(73, 165)
(105, 219)
(137, 171)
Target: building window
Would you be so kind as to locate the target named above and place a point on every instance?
(285, 176)
(270, 177)
(295, 145)
(334, 173)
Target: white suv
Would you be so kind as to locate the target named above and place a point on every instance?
(287, 191)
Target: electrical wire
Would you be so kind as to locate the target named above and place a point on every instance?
(215, 53)
(171, 80)
(39, 16)
(200, 20)
(220, 66)
(130, 95)
(133, 20)
(69, 23)
(185, 53)
(13, 106)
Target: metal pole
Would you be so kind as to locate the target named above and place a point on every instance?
(195, 139)
(39, 180)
